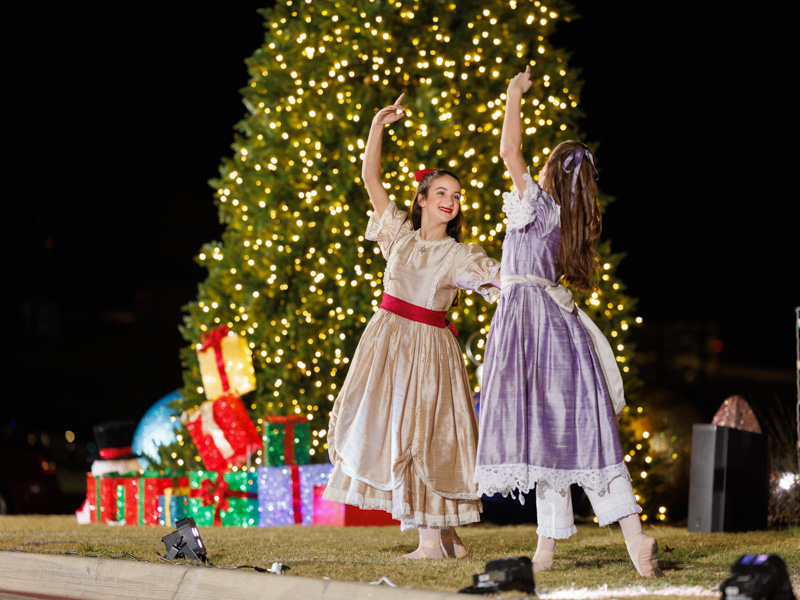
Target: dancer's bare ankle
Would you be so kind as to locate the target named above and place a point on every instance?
(452, 544)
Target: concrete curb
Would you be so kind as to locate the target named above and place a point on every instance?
(104, 579)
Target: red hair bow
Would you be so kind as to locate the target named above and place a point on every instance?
(418, 175)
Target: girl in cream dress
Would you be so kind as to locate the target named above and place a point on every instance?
(403, 432)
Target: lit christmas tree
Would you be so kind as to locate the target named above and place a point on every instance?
(293, 273)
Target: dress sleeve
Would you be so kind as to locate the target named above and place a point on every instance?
(534, 205)
(388, 228)
(474, 270)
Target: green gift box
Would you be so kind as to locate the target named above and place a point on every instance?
(287, 440)
(229, 499)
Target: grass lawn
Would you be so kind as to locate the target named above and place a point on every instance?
(591, 559)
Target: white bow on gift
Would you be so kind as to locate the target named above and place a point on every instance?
(563, 297)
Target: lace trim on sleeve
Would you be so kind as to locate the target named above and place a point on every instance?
(520, 209)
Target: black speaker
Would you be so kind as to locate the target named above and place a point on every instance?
(728, 487)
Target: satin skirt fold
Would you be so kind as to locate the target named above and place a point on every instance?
(546, 414)
(403, 431)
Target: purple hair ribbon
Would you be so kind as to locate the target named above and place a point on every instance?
(575, 158)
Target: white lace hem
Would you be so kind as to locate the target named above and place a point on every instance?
(409, 519)
(616, 514)
(504, 479)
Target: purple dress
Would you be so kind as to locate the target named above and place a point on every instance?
(546, 415)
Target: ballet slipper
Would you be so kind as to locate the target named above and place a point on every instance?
(452, 544)
(427, 549)
(643, 550)
(542, 561)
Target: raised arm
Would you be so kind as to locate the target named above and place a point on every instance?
(371, 167)
(511, 139)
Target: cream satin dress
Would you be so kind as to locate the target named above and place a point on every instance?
(403, 432)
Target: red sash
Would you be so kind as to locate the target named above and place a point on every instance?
(412, 312)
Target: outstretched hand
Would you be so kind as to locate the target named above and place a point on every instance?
(521, 81)
(390, 114)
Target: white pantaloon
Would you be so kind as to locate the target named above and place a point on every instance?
(554, 511)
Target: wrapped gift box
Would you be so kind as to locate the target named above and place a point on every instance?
(93, 498)
(345, 515)
(101, 494)
(286, 493)
(173, 505)
(287, 440)
(229, 499)
(226, 364)
(151, 486)
(137, 498)
(128, 501)
(222, 431)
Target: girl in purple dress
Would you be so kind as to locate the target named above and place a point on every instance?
(551, 384)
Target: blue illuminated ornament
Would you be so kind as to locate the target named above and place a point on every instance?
(157, 427)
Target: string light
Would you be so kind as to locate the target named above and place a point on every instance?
(293, 273)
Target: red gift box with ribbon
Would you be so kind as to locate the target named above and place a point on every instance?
(128, 501)
(93, 497)
(327, 512)
(101, 494)
(222, 431)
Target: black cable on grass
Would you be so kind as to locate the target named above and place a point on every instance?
(258, 569)
(123, 555)
(126, 555)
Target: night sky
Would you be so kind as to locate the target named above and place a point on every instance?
(120, 118)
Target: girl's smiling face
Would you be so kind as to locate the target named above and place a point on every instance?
(443, 201)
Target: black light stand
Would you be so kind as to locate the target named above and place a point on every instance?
(185, 542)
(503, 575)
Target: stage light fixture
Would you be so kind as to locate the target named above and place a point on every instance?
(758, 577)
(185, 542)
(502, 575)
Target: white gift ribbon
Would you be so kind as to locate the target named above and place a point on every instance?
(209, 426)
(563, 297)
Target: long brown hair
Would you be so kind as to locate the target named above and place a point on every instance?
(581, 222)
(455, 228)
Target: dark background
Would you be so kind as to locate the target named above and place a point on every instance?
(118, 119)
